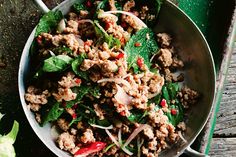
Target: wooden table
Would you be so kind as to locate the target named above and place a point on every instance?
(224, 139)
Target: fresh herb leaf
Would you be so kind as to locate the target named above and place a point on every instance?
(147, 47)
(175, 119)
(75, 120)
(169, 92)
(57, 63)
(158, 5)
(81, 91)
(95, 91)
(173, 89)
(75, 67)
(79, 6)
(62, 50)
(54, 113)
(137, 116)
(108, 147)
(155, 100)
(103, 122)
(48, 22)
(104, 37)
(165, 93)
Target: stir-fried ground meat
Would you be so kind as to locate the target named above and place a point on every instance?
(103, 97)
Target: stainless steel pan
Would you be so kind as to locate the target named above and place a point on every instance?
(199, 75)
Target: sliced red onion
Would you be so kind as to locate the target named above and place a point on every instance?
(139, 145)
(119, 137)
(85, 21)
(112, 138)
(127, 151)
(102, 14)
(80, 41)
(54, 132)
(122, 97)
(102, 127)
(181, 137)
(61, 26)
(139, 22)
(52, 53)
(135, 133)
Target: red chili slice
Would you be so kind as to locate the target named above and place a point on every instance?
(39, 39)
(163, 103)
(120, 55)
(91, 148)
(137, 44)
(173, 111)
(140, 62)
(88, 4)
(77, 80)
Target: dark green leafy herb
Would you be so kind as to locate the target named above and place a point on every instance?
(79, 6)
(147, 47)
(54, 113)
(75, 120)
(81, 91)
(165, 93)
(169, 93)
(173, 89)
(62, 50)
(75, 67)
(137, 117)
(175, 119)
(57, 63)
(48, 22)
(95, 91)
(158, 5)
(104, 37)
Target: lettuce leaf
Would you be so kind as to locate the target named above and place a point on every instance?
(7, 141)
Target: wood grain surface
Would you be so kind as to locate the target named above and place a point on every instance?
(223, 147)
(224, 139)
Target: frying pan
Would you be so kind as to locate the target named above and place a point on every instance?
(199, 75)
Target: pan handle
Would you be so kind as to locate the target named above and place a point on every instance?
(193, 153)
(42, 6)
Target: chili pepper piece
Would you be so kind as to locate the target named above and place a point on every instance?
(173, 111)
(163, 103)
(120, 55)
(140, 62)
(91, 148)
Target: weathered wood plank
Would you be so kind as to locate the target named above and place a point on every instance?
(226, 118)
(223, 147)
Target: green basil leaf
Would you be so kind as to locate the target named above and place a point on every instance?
(75, 67)
(104, 37)
(148, 47)
(48, 22)
(57, 63)
(54, 113)
(78, 7)
(175, 119)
